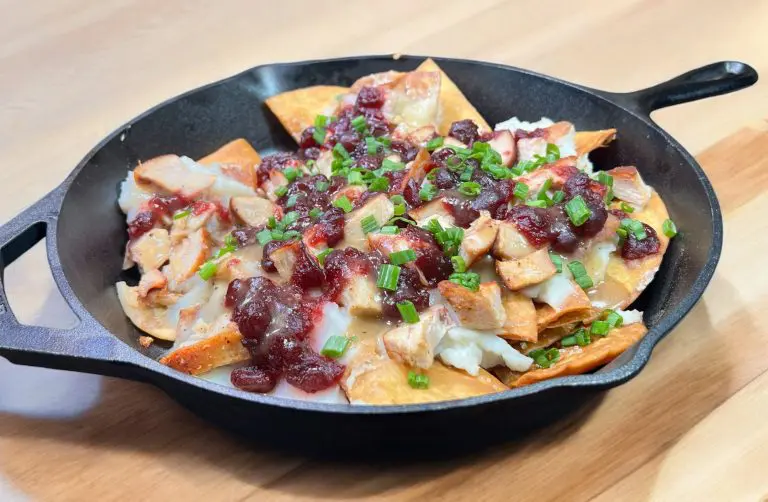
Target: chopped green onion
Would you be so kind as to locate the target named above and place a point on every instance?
(469, 280)
(470, 188)
(401, 257)
(669, 228)
(207, 271)
(466, 174)
(291, 173)
(545, 186)
(281, 190)
(569, 341)
(553, 153)
(635, 226)
(264, 236)
(319, 136)
(322, 186)
(355, 178)
(536, 203)
(521, 190)
(558, 197)
(371, 145)
(292, 200)
(627, 208)
(388, 276)
(545, 357)
(402, 219)
(399, 209)
(577, 210)
(622, 233)
(397, 199)
(604, 178)
(343, 204)
(435, 143)
(278, 235)
(289, 219)
(369, 224)
(358, 123)
(182, 214)
(230, 241)
(335, 346)
(340, 152)
(291, 234)
(427, 191)
(389, 230)
(434, 226)
(459, 265)
(322, 255)
(380, 184)
(557, 261)
(599, 328)
(312, 166)
(582, 337)
(384, 141)
(613, 318)
(450, 240)
(315, 213)
(417, 380)
(453, 163)
(388, 165)
(580, 274)
(322, 121)
(408, 311)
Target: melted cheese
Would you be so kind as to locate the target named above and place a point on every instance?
(132, 197)
(471, 350)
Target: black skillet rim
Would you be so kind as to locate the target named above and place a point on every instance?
(600, 379)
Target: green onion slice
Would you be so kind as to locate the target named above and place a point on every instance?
(264, 236)
(599, 328)
(321, 256)
(558, 197)
(577, 210)
(669, 228)
(557, 260)
(315, 213)
(417, 380)
(408, 312)
(335, 346)
(427, 191)
(521, 190)
(388, 277)
(343, 203)
(627, 208)
(281, 190)
(291, 173)
(459, 265)
(470, 188)
(389, 230)
(401, 257)
(380, 184)
(207, 271)
(369, 224)
(182, 214)
(469, 280)
(435, 143)
(580, 274)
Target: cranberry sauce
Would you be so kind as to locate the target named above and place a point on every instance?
(634, 248)
(341, 265)
(434, 265)
(464, 131)
(275, 322)
(153, 212)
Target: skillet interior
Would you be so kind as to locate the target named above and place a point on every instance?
(91, 231)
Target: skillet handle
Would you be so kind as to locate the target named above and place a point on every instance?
(88, 346)
(710, 80)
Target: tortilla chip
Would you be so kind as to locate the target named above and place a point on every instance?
(201, 357)
(577, 360)
(237, 159)
(297, 109)
(520, 324)
(377, 380)
(453, 104)
(586, 141)
(625, 280)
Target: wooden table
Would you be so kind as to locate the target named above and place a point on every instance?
(691, 427)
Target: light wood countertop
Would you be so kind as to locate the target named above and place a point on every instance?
(691, 426)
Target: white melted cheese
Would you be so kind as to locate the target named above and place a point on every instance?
(132, 197)
(513, 124)
(471, 350)
(630, 316)
(224, 188)
(554, 291)
(596, 262)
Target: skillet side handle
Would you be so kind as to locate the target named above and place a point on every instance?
(710, 80)
(86, 347)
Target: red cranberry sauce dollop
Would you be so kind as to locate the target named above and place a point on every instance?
(153, 212)
(552, 225)
(633, 249)
(275, 322)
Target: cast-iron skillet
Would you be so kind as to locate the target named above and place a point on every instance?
(86, 235)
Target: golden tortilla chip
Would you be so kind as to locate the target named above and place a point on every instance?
(577, 360)
(377, 380)
(221, 349)
(453, 104)
(237, 159)
(586, 141)
(297, 109)
(625, 280)
(520, 324)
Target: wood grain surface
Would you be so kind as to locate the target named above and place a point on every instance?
(690, 427)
